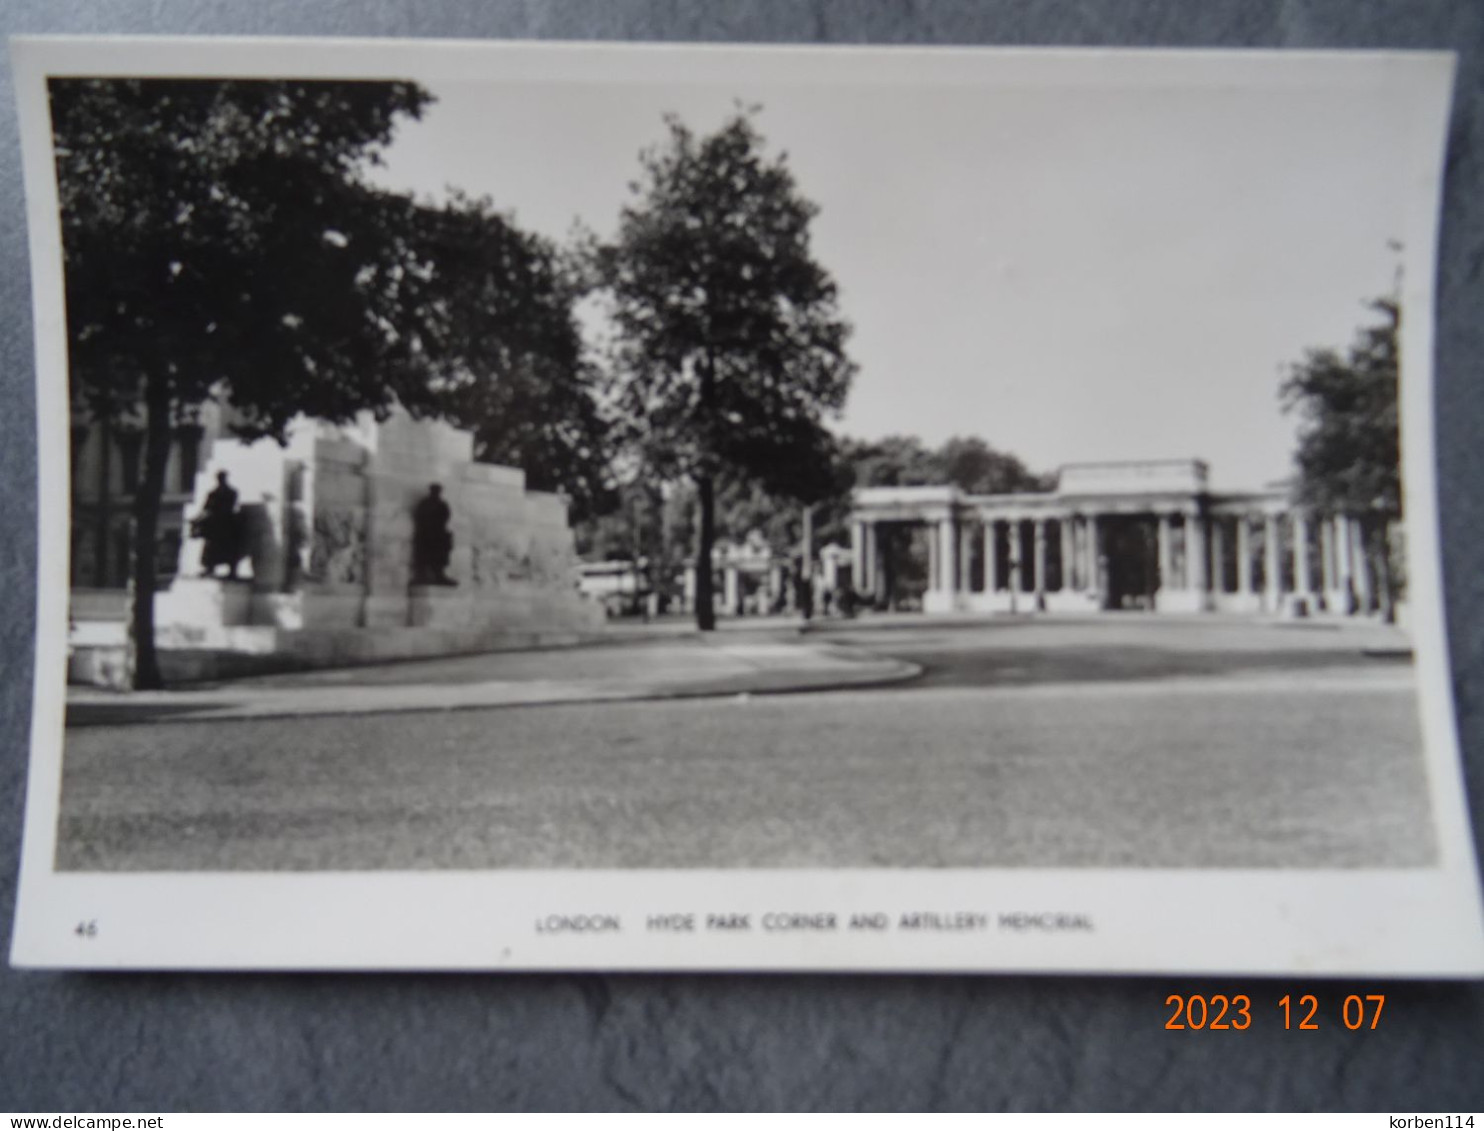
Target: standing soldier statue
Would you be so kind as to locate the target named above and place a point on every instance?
(218, 527)
(432, 541)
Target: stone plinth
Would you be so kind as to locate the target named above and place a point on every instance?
(1180, 601)
(193, 608)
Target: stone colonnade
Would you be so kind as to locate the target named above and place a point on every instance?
(1222, 555)
(1262, 560)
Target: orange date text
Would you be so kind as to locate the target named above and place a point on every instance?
(1300, 1012)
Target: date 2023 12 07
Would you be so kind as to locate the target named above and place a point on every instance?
(1301, 1012)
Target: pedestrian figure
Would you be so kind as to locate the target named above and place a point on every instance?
(432, 541)
(804, 592)
(846, 601)
(218, 526)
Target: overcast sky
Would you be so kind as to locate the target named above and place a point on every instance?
(1073, 273)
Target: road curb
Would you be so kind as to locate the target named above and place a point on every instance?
(162, 708)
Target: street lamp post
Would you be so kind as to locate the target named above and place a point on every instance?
(806, 564)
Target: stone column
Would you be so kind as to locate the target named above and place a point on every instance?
(1218, 555)
(1272, 564)
(1327, 571)
(965, 560)
(1016, 581)
(1040, 551)
(1195, 552)
(948, 555)
(1091, 577)
(731, 590)
(935, 557)
(1166, 558)
(870, 574)
(1341, 543)
(991, 556)
(1068, 552)
(877, 567)
(1302, 582)
(1362, 567)
(1027, 554)
(1244, 554)
(858, 556)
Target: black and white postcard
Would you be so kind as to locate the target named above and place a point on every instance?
(537, 506)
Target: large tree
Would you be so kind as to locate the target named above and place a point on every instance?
(966, 462)
(220, 240)
(1349, 441)
(730, 347)
(531, 394)
(975, 467)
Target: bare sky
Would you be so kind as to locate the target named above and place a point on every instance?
(1072, 272)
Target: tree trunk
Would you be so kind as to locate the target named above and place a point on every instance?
(1378, 545)
(659, 557)
(705, 488)
(103, 533)
(145, 664)
(806, 564)
(705, 605)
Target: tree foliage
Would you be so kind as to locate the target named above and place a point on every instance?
(1349, 442)
(730, 347)
(967, 462)
(1349, 439)
(531, 394)
(220, 240)
(218, 236)
(975, 467)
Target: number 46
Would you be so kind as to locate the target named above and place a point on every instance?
(87, 929)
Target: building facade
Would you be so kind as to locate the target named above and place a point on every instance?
(1133, 535)
(107, 461)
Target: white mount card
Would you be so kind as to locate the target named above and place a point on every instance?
(535, 506)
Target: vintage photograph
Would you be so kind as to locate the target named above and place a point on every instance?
(562, 461)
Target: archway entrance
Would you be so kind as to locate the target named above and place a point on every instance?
(904, 556)
(1131, 547)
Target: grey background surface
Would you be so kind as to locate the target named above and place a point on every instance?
(226, 1042)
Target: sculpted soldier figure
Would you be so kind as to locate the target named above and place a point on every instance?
(217, 526)
(432, 541)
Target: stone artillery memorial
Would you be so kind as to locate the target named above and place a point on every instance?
(326, 524)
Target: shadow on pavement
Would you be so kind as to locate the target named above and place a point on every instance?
(1023, 667)
(99, 714)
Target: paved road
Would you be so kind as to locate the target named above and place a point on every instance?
(970, 654)
(1038, 651)
(1029, 744)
